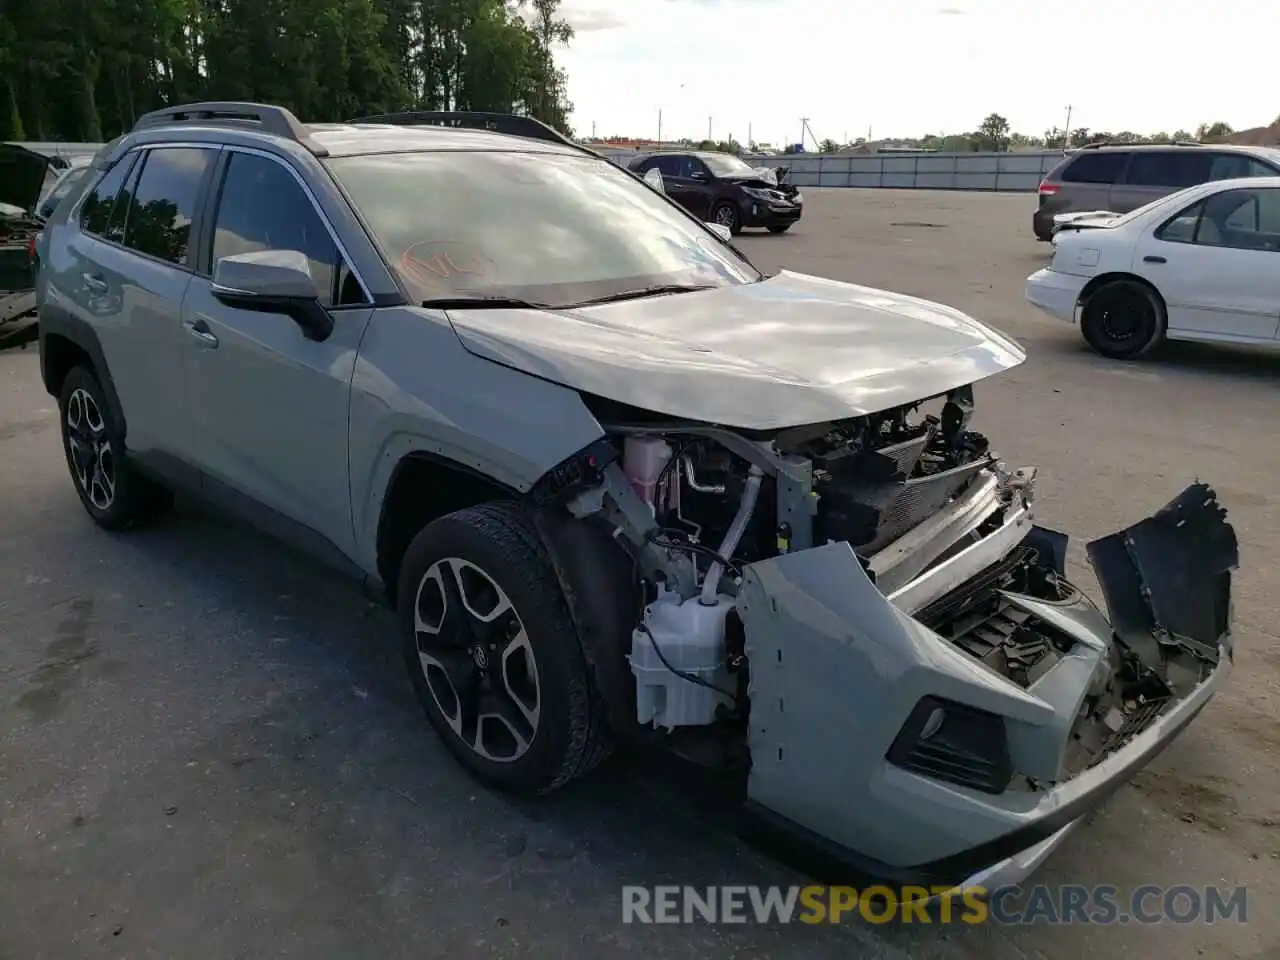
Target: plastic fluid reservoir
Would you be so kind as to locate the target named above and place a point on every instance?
(643, 460)
(691, 637)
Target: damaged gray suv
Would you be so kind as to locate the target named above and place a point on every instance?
(622, 487)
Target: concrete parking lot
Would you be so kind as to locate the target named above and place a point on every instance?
(208, 747)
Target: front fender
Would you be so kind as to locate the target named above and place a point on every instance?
(415, 390)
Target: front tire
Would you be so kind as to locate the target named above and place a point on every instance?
(493, 653)
(114, 495)
(727, 215)
(1123, 320)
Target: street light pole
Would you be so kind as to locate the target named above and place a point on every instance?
(659, 128)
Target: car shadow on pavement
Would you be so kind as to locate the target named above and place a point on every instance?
(1258, 364)
(341, 722)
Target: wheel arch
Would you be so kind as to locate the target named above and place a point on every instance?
(424, 487)
(66, 341)
(1103, 279)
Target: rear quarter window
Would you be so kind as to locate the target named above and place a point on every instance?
(1099, 167)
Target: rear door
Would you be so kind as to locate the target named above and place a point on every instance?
(1217, 265)
(136, 253)
(268, 406)
(1152, 174)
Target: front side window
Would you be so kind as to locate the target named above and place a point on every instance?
(164, 202)
(108, 201)
(547, 228)
(262, 207)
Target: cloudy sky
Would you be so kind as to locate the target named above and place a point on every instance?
(910, 67)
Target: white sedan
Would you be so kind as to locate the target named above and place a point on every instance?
(1200, 264)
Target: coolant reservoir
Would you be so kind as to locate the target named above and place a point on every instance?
(691, 637)
(643, 460)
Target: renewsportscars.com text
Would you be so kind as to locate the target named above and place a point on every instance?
(1064, 904)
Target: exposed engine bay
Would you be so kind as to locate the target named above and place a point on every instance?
(940, 527)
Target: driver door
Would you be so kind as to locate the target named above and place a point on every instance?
(268, 406)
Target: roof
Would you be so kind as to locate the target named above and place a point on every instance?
(345, 139)
(248, 123)
(1269, 153)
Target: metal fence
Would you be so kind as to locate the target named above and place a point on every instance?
(997, 172)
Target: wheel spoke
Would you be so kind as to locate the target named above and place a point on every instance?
(477, 659)
(454, 683)
(520, 677)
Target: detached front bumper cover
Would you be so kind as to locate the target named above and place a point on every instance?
(836, 669)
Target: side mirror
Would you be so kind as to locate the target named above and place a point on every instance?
(721, 231)
(273, 281)
(653, 177)
(699, 176)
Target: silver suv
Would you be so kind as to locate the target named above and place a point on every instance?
(620, 486)
(1123, 177)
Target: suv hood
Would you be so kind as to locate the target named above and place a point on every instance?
(790, 350)
(22, 174)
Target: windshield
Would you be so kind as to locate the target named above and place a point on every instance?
(726, 165)
(547, 228)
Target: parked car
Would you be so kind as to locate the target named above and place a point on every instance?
(22, 175)
(1121, 178)
(1200, 264)
(725, 189)
(621, 486)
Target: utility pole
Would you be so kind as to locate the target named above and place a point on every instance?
(659, 128)
(593, 129)
(1066, 134)
(749, 140)
(708, 128)
(804, 125)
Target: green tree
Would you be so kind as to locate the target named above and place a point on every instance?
(993, 133)
(1214, 131)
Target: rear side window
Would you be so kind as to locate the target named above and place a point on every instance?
(1174, 169)
(164, 202)
(261, 207)
(100, 208)
(1091, 167)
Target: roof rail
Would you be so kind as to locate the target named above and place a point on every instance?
(510, 124)
(1139, 143)
(267, 116)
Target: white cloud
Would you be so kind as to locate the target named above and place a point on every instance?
(913, 66)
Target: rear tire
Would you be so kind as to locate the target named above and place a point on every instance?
(779, 228)
(493, 653)
(114, 494)
(1123, 320)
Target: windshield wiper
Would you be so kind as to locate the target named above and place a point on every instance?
(483, 303)
(653, 291)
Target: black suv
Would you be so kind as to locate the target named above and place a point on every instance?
(724, 189)
(1123, 177)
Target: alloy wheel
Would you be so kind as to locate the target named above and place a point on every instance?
(92, 459)
(726, 216)
(477, 659)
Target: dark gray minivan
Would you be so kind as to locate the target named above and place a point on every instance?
(1121, 178)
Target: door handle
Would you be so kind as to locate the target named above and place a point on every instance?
(199, 329)
(1150, 258)
(94, 283)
